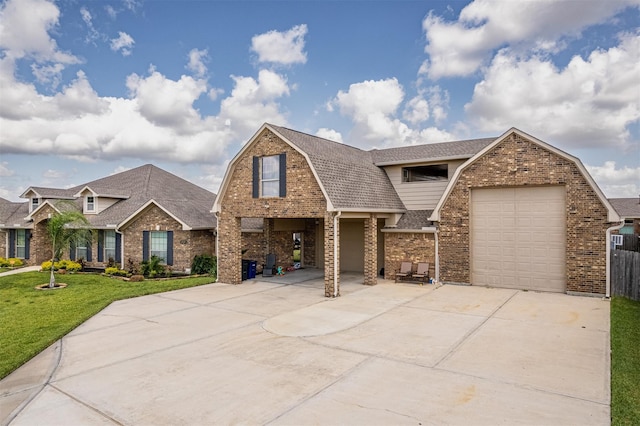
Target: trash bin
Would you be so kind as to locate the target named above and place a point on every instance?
(245, 269)
(251, 273)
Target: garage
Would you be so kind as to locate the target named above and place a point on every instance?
(518, 237)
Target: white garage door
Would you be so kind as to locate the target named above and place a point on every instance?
(518, 238)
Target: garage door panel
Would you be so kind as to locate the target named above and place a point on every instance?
(526, 243)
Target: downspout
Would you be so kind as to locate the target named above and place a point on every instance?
(335, 254)
(217, 245)
(608, 254)
(437, 266)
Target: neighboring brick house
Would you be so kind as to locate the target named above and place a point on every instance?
(134, 214)
(629, 211)
(510, 211)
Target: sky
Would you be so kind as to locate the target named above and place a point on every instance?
(92, 88)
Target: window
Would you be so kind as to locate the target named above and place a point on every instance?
(91, 205)
(425, 173)
(270, 176)
(21, 243)
(81, 250)
(159, 244)
(110, 245)
(34, 203)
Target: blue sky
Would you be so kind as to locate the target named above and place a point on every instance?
(90, 88)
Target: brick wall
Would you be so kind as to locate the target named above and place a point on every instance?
(518, 161)
(304, 199)
(413, 247)
(186, 244)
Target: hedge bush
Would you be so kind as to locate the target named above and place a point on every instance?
(11, 262)
(69, 265)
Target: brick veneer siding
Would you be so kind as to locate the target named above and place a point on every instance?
(371, 250)
(304, 199)
(404, 246)
(186, 244)
(518, 161)
(4, 248)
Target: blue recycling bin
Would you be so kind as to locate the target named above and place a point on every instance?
(251, 273)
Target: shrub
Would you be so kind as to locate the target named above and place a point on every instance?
(116, 272)
(204, 264)
(152, 268)
(136, 278)
(69, 265)
(12, 262)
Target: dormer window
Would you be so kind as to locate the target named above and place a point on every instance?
(35, 202)
(91, 204)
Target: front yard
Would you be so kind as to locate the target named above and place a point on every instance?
(625, 362)
(31, 320)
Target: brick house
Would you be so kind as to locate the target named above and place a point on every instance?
(629, 210)
(510, 211)
(134, 214)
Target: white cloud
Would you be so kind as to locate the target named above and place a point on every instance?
(459, 48)
(5, 171)
(616, 182)
(284, 48)
(330, 134)
(111, 11)
(587, 103)
(124, 43)
(93, 34)
(166, 102)
(253, 102)
(197, 60)
(416, 110)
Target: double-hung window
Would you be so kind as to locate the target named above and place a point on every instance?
(91, 204)
(159, 244)
(269, 176)
(110, 245)
(21, 243)
(82, 249)
(35, 202)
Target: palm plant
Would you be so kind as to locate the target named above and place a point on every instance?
(65, 225)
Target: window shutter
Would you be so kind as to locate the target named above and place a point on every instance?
(256, 177)
(12, 243)
(27, 242)
(72, 250)
(118, 245)
(283, 175)
(100, 245)
(145, 245)
(88, 243)
(169, 247)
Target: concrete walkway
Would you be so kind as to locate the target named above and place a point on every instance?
(20, 270)
(268, 353)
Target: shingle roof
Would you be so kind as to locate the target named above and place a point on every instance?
(415, 219)
(430, 152)
(12, 214)
(348, 174)
(186, 201)
(626, 207)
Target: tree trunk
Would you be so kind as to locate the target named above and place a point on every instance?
(52, 278)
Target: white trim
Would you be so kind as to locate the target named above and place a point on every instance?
(46, 202)
(425, 230)
(425, 161)
(123, 224)
(612, 215)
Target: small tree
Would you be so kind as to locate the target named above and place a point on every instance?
(65, 225)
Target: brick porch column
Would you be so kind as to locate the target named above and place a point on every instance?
(230, 256)
(371, 250)
(331, 235)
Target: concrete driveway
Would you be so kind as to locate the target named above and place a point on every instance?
(268, 353)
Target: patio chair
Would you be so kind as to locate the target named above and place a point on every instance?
(404, 271)
(267, 269)
(422, 273)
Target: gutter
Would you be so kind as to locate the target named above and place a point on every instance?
(336, 218)
(608, 260)
(437, 265)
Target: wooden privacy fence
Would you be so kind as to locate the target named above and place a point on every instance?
(625, 274)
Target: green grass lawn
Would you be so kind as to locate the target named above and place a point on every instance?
(31, 320)
(625, 362)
